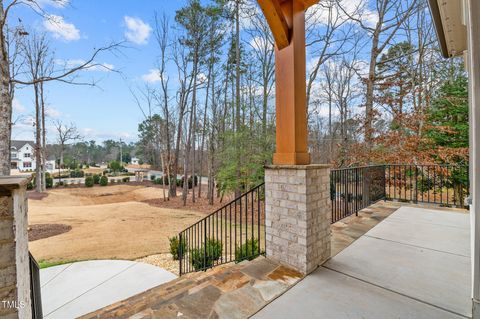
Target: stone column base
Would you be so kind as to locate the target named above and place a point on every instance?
(15, 301)
(298, 215)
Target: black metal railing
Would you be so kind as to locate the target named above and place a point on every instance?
(233, 233)
(35, 289)
(353, 189)
(445, 185)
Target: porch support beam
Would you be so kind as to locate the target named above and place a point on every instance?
(290, 69)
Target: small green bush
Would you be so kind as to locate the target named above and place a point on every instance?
(175, 246)
(48, 182)
(89, 181)
(103, 181)
(204, 257)
(126, 179)
(152, 178)
(96, 179)
(248, 251)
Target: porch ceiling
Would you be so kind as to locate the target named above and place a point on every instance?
(451, 31)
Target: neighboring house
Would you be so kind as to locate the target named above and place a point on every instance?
(135, 161)
(22, 154)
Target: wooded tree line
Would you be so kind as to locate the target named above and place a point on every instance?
(378, 90)
(374, 73)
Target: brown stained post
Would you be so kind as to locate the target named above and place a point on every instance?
(290, 69)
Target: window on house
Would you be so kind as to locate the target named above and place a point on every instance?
(27, 155)
(27, 164)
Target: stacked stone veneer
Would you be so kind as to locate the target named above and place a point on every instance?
(298, 215)
(15, 301)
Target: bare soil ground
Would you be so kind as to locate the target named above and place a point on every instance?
(111, 222)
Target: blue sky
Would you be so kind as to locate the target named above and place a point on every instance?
(110, 110)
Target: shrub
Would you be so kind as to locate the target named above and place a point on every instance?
(204, 257)
(103, 181)
(30, 185)
(96, 179)
(48, 182)
(89, 181)
(126, 179)
(175, 246)
(248, 251)
(152, 178)
(77, 173)
(59, 184)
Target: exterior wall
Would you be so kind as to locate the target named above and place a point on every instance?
(14, 259)
(473, 64)
(298, 215)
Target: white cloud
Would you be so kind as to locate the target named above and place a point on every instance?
(153, 76)
(61, 29)
(94, 66)
(18, 107)
(53, 3)
(137, 31)
(52, 112)
(92, 134)
(321, 13)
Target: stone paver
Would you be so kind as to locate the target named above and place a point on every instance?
(232, 291)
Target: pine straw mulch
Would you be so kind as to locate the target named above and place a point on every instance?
(34, 195)
(201, 204)
(41, 231)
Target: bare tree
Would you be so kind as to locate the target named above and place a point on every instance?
(161, 34)
(65, 133)
(390, 16)
(39, 63)
(9, 79)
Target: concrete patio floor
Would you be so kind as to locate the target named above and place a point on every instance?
(72, 290)
(413, 264)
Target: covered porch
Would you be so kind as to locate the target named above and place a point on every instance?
(393, 260)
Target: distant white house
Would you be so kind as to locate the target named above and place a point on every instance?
(22, 153)
(135, 161)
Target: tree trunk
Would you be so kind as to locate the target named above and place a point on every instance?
(190, 129)
(44, 140)
(5, 103)
(237, 92)
(38, 141)
(369, 97)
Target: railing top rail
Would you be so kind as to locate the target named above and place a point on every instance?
(221, 208)
(405, 164)
(356, 167)
(445, 165)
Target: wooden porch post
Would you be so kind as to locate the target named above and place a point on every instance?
(286, 19)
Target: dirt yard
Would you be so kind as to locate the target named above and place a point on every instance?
(113, 222)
